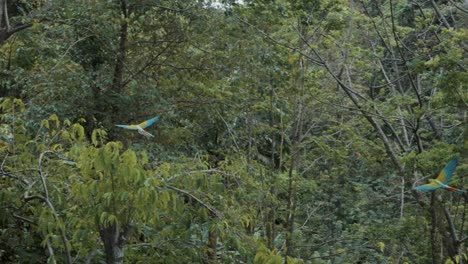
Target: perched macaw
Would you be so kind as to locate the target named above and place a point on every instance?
(140, 127)
(442, 180)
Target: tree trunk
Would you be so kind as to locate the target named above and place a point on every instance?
(212, 241)
(4, 22)
(250, 140)
(291, 206)
(270, 230)
(270, 218)
(295, 157)
(435, 241)
(122, 51)
(451, 238)
(114, 241)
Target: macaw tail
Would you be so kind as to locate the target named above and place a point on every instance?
(145, 133)
(455, 190)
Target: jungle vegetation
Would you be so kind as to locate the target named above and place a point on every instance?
(289, 131)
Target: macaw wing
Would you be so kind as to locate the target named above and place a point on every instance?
(448, 170)
(149, 122)
(428, 187)
(131, 127)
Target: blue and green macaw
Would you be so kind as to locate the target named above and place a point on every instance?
(442, 180)
(141, 127)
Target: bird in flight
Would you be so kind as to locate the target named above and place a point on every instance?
(141, 127)
(442, 180)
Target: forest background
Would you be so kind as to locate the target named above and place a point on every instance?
(289, 131)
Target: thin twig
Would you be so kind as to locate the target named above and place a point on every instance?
(66, 52)
(318, 62)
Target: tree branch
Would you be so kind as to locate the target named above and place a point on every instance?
(7, 31)
(451, 225)
(24, 219)
(458, 7)
(369, 118)
(439, 15)
(207, 206)
(266, 35)
(46, 199)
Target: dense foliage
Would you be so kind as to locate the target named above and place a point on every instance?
(289, 131)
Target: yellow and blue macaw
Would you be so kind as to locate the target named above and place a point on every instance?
(141, 127)
(442, 180)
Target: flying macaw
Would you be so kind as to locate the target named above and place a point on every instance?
(442, 180)
(140, 127)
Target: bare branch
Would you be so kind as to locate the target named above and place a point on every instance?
(42, 175)
(453, 232)
(351, 94)
(9, 174)
(207, 206)
(50, 249)
(24, 219)
(66, 52)
(148, 65)
(441, 17)
(34, 197)
(46, 199)
(232, 133)
(458, 7)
